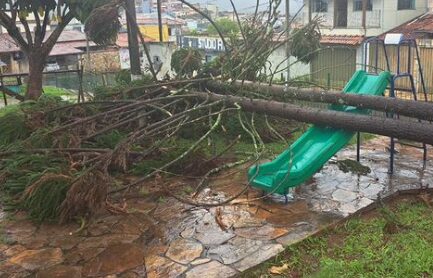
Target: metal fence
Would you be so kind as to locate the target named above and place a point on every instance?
(71, 80)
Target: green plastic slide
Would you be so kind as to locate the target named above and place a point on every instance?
(319, 144)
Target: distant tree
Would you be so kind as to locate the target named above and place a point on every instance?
(194, 33)
(37, 43)
(185, 61)
(227, 27)
(306, 42)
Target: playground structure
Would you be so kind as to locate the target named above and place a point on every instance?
(11, 83)
(399, 73)
(320, 143)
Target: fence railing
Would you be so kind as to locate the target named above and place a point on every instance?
(354, 19)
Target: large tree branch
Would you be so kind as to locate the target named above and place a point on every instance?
(221, 35)
(13, 12)
(420, 110)
(52, 39)
(411, 130)
(27, 30)
(45, 24)
(13, 31)
(38, 30)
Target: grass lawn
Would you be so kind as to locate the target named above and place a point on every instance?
(59, 92)
(363, 247)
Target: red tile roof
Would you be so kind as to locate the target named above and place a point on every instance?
(7, 44)
(342, 40)
(66, 45)
(415, 27)
(64, 49)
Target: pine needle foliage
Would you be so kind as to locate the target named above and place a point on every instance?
(25, 183)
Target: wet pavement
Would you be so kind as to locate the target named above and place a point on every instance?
(161, 237)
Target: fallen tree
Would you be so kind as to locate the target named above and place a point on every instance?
(412, 130)
(416, 109)
(137, 129)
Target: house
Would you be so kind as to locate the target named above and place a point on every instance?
(65, 55)
(160, 53)
(345, 24)
(347, 17)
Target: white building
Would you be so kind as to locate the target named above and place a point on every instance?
(160, 53)
(345, 17)
(345, 24)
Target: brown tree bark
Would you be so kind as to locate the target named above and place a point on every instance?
(36, 67)
(411, 130)
(417, 109)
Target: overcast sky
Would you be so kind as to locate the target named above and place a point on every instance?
(248, 5)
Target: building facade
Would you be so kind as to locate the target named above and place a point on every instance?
(345, 24)
(347, 17)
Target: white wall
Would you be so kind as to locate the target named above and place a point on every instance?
(163, 51)
(297, 69)
(382, 18)
(392, 18)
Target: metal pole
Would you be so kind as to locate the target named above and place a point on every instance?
(358, 146)
(134, 51)
(364, 16)
(161, 36)
(287, 38)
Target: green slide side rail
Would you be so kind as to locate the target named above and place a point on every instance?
(15, 89)
(11, 89)
(315, 147)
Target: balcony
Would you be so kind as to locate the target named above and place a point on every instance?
(351, 20)
(373, 19)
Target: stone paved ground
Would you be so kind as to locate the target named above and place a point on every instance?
(165, 238)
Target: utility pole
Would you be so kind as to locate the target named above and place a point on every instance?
(287, 39)
(134, 51)
(161, 37)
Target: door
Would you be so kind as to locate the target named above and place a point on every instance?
(340, 13)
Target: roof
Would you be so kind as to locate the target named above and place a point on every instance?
(70, 35)
(342, 40)
(122, 40)
(67, 43)
(7, 44)
(415, 27)
(64, 49)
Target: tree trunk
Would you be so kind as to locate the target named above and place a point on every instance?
(417, 109)
(411, 130)
(36, 68)
(134, 50)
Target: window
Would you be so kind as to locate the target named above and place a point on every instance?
(406, 5)
(320, 6)
(357, 5)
